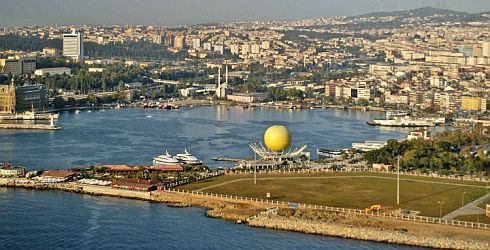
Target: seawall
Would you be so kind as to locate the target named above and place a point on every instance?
(361, 233)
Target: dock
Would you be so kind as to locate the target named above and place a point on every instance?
(30, 126)
(226, 159)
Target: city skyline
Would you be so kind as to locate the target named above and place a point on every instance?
(171, 13)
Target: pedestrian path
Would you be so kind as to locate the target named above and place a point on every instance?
(469, 209)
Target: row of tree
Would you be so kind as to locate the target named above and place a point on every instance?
(451, 152)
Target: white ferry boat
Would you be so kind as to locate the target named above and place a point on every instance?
(187, 158)
(166, 159)
(396, 113)
(408, 122)
(368, 145)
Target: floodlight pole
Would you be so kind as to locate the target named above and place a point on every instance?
(462, 199)
(440, 207)
(255, 168)
(398, 183)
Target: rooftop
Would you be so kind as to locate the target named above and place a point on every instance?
(58, 173)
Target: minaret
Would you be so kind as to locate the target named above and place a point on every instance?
(219, 76)
(226, 75)
(218, 89)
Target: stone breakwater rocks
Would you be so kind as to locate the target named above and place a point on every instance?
(360, 233)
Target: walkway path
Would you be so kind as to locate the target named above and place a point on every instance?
(468, 209)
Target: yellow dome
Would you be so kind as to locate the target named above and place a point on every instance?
(277, 138)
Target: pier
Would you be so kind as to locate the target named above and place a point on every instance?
(30, 126)
(227, 159)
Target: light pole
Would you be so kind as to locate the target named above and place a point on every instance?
(440, 207)
(462, 199)
(398, 183)
(255, 169)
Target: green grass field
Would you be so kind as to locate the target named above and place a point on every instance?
(352, 190)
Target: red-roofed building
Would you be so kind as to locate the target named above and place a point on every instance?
(136, 184)
(54, 176)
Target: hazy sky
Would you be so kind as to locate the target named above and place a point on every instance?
(174, 12)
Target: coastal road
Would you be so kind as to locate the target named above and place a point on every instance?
(339, 177)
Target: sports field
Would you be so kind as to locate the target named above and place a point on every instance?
(351, 190)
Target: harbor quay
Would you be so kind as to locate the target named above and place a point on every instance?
(338, 222)
(30, 126)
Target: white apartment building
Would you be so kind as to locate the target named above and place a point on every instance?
(73, 45)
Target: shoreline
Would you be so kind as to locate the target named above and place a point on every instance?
(301, 220)
(192, 103)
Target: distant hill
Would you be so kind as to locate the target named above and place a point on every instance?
(426, 12)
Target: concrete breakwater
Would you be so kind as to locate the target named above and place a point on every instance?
(361, 233)
(29, 126)
(331, 224)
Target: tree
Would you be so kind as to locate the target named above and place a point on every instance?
(154, 94)
(103, 82)
(59, 102)
(71, 102)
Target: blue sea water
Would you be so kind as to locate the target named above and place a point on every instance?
(134, 136)
(57, 220)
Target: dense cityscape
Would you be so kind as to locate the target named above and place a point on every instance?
(425, 59)
(411, 89)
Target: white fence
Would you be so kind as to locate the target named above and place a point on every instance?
(188, 181)
(416, 218)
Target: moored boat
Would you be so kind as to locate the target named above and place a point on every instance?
(166, 159)
(187, 158)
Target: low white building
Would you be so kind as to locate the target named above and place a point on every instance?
(188, 92)
(52, 71)
(96, 70)
(8, 171)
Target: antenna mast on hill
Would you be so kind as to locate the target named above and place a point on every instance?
(380, 5)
